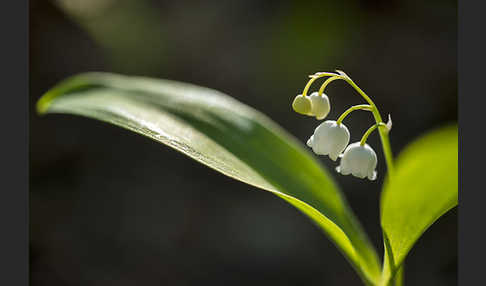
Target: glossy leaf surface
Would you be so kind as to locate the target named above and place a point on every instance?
(223, 134)
(423, 188)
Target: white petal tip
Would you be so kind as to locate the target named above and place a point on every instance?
(340, 170)
(309, 142)
(373, 176)
(389, 123)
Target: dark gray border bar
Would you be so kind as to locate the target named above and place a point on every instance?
(14, 132)
(472, 154)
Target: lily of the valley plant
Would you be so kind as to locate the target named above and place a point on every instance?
(331, 137)
(230, 137)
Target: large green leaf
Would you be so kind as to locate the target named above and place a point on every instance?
(423, 187)
(225, 135)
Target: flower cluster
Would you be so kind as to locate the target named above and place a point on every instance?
(331, 137)
(313, 105)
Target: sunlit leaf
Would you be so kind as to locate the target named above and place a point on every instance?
(225, 135)
(423, 187)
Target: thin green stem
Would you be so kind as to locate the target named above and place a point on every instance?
(399, 277)
(360, 91)
(387, 276)
(328, 81)
(396, 276)
(369, 131)
(392, 277)
(351, 109)
(314, 78)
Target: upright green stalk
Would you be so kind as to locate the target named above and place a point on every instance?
(390, 275)
(399, 276)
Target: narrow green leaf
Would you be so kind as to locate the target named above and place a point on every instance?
(226, 135)
(423, 187)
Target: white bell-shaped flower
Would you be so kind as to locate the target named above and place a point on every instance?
(360, 161)
(330, 139)
(320, 105)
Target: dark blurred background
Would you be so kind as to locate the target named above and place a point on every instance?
(108, 207)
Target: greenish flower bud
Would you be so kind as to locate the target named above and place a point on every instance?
(302, 104)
